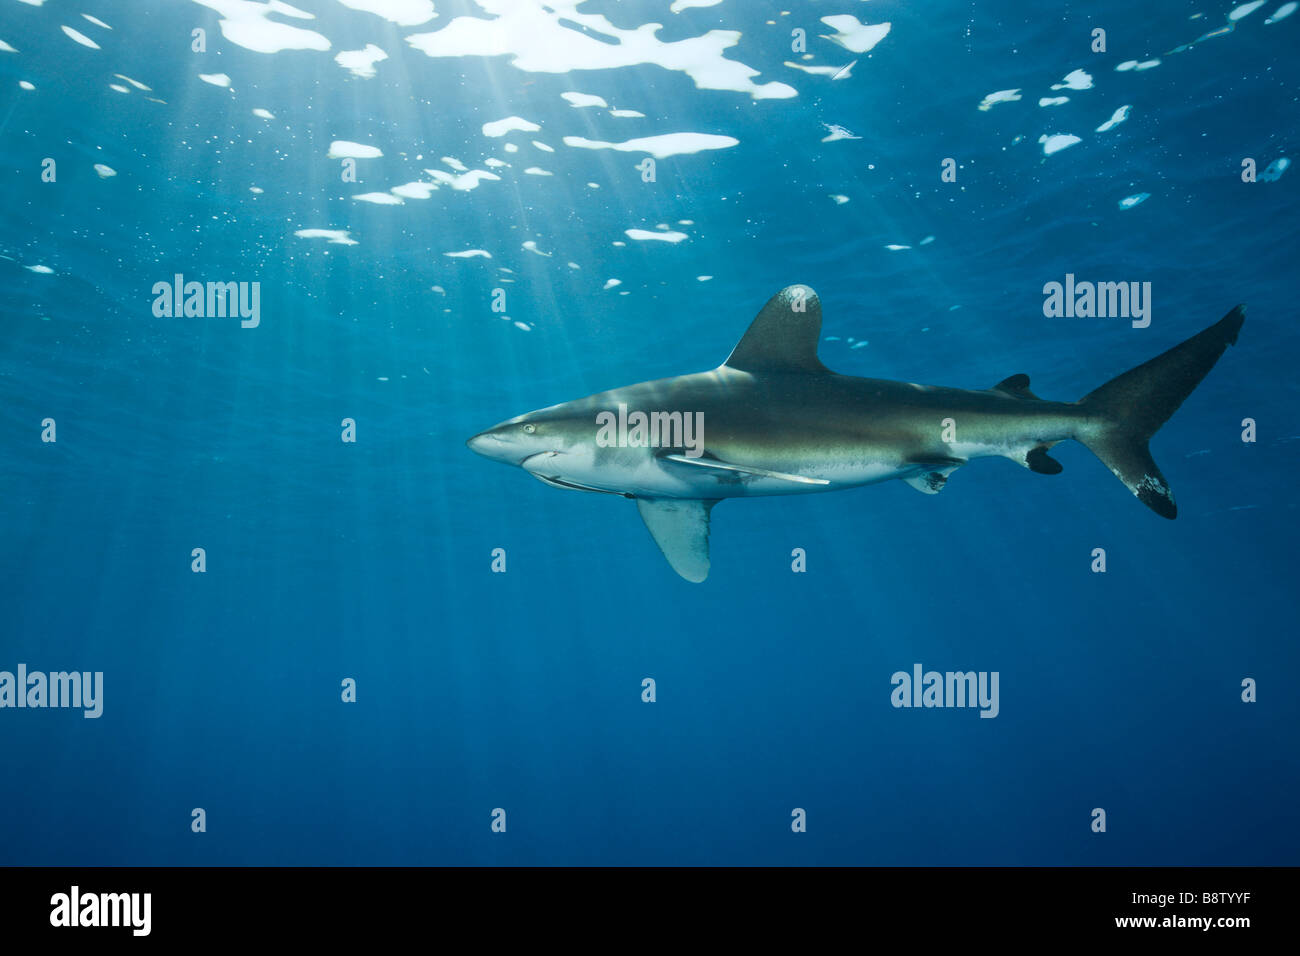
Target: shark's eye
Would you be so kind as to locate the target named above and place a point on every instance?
(530, 428)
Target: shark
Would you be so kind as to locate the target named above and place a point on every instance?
(773, 420)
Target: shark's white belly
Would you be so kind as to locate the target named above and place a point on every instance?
(637, 473)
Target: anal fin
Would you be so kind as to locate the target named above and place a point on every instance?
(1037, 459)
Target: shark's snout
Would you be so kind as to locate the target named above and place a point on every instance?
(512, 442)
(492, 444)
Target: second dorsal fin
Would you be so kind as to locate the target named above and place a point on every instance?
(1017, 386)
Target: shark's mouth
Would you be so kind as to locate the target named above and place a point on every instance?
(535, 465)
(536, 461)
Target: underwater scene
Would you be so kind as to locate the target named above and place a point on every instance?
(648, 432)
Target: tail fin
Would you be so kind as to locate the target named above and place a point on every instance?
(1131, 408)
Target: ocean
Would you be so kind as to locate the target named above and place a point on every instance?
(265, 533)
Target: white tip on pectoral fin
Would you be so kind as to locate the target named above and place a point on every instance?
(680, 526)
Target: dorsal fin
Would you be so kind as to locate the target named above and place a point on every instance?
(783, 336)
(1017, 386)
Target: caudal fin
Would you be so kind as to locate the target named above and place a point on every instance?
(1131, 408)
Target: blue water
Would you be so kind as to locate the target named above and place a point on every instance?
(371, 560)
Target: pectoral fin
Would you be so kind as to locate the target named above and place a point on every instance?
(680, 526)
(719, 465)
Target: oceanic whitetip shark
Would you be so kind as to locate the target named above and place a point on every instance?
(773, 420)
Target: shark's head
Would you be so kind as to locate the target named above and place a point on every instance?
(538, 441)
(514, 441)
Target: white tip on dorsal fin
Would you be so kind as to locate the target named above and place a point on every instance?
(680, 526)
(783, 336)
